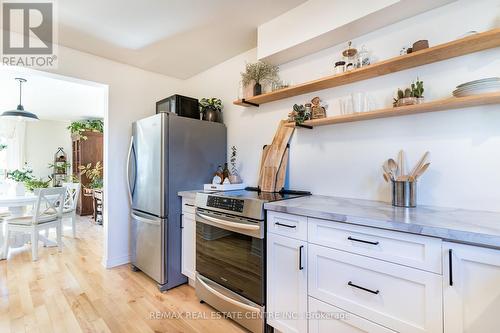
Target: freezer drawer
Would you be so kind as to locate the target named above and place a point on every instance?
(147, 245)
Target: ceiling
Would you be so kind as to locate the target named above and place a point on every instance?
(51, 98)
(178, 38)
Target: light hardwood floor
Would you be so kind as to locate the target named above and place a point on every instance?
(72, 292)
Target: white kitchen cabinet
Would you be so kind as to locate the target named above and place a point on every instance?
(471, 289)
(188, 245)
(405, 249)
(326, 318)
(398, 297)
(286, 283)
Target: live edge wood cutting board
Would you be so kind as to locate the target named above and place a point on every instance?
(275, 160)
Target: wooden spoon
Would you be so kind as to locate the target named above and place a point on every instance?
(401, 163)
(421, 171)
(387, 177)
(393, 166)
(419, 164)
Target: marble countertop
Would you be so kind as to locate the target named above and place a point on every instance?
(457, 225)
(188, 194)
(192, 194)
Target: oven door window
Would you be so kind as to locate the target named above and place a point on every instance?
(231, 259)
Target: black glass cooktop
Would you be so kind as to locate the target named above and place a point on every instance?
(255, 194)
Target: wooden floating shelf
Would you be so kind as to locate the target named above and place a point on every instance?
(482, 41)
(434, 106)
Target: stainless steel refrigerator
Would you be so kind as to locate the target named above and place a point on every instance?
(167, 154)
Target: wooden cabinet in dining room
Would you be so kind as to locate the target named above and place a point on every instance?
(287, 283)
(87, 148)
(471, 289)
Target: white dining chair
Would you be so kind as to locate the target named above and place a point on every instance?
(70, 201)
(46, 213)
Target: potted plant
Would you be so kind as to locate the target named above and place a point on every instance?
(211, 109)
(299, 114)
(94, 175)
(32, 184)
(77, 128)
(20, 176)
(259, 73)
(412, 95)
(234, 177)
(417, 89)
(60, 168)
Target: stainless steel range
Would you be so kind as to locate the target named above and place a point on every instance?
(231, 252)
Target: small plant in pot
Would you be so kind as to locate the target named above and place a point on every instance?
(412, 95)
(417, 89)
(211, 109)
(259, 73)
(20, 176)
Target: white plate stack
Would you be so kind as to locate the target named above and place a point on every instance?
(477, 87)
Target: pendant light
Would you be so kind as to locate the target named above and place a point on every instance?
(20, 113)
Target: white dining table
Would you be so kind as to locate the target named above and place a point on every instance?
(17, 207)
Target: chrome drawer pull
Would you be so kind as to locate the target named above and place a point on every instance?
(285, 225)
(362, 241)
(363, 288)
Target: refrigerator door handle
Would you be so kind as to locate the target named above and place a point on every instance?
(130, 190)
(136, 217)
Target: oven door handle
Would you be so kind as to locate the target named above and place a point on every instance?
(235, 225)
(224, 297)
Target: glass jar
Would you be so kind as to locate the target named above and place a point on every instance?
(363, 58)
(339, 67)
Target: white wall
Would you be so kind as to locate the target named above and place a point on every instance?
(43, 138)
(132, 95)
(345, 160)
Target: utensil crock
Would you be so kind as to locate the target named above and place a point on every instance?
(404, 193)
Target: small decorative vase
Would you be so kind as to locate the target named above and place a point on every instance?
(235, 179)
(20, 189)
(420, 100)
(257, 89)
(210, 114)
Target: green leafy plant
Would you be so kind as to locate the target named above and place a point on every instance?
(299, 113)
(32, 184)
(89, 125)
(20, 175)
(94, 175)
(210, 103)
(260, 72)
(61, 167)
(417, 89)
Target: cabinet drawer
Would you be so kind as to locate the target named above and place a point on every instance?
(401, 248)
(325, 318)
(289, 225)
(401, 298)
(187, 205)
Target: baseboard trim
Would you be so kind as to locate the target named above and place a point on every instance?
(118, 261)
